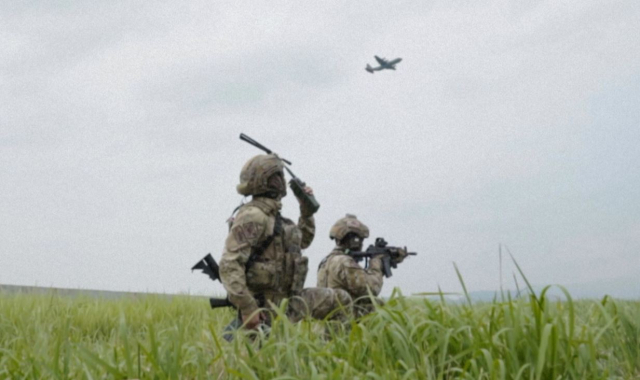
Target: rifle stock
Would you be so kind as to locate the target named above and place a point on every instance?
(210, 267)
(220, 302)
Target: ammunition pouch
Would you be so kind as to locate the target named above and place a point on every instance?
(262, 275)
(301, 267)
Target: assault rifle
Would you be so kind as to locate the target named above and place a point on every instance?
(296, 184)
(209, 267)
(380, 248)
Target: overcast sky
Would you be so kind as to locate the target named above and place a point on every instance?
(507, 122)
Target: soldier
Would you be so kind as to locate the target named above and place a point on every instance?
(340, 271)
(262, 262)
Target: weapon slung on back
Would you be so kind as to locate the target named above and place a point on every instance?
(220, 302)
(209, 267)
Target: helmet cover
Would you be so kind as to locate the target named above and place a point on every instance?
(346, 225)
(255, 174)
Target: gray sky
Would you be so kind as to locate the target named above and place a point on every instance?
(506, 122)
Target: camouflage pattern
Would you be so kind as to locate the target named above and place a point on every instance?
(255, 174)
(320, 303)
(272, 273)
(300, 270)
(262, 257)
(341, 271)
(349, 223)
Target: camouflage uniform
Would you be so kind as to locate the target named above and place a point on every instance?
(340, 271)
(262, 263)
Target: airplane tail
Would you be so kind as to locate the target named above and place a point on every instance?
(369, 68)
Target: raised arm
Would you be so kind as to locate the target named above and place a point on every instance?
(306, 223)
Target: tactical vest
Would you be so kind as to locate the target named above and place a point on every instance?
(323, 273)
(276, 264)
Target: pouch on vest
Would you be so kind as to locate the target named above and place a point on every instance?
(261, 276)
(301, 267)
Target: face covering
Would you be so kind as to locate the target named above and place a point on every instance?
(277, 183)
(352, 242)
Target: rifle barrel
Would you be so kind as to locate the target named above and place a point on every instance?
(366, 254)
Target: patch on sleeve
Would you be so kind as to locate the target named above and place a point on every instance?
(247, 232)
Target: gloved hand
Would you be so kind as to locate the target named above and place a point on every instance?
(398, 256)
(254, 320)
(303, 210)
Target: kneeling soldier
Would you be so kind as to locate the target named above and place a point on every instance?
(339, 270)
(262, 262)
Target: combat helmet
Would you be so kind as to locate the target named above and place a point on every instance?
(256, 172)
(346, 225)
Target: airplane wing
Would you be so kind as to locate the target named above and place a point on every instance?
(381, 61)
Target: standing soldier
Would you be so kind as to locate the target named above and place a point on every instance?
(341, 271)
(262, 262)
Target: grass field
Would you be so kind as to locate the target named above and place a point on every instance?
(49, 336)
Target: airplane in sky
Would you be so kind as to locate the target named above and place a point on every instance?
(384, 64)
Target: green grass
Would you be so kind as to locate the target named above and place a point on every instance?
(54, 337)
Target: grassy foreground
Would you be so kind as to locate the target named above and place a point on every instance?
(179, 338)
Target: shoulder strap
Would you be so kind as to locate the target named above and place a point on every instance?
(233, 214)
(323, 262)
(259, 250)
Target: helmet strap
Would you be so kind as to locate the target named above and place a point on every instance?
(352, 242)
(269, 194)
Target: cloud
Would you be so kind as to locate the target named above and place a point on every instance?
(504, 123)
